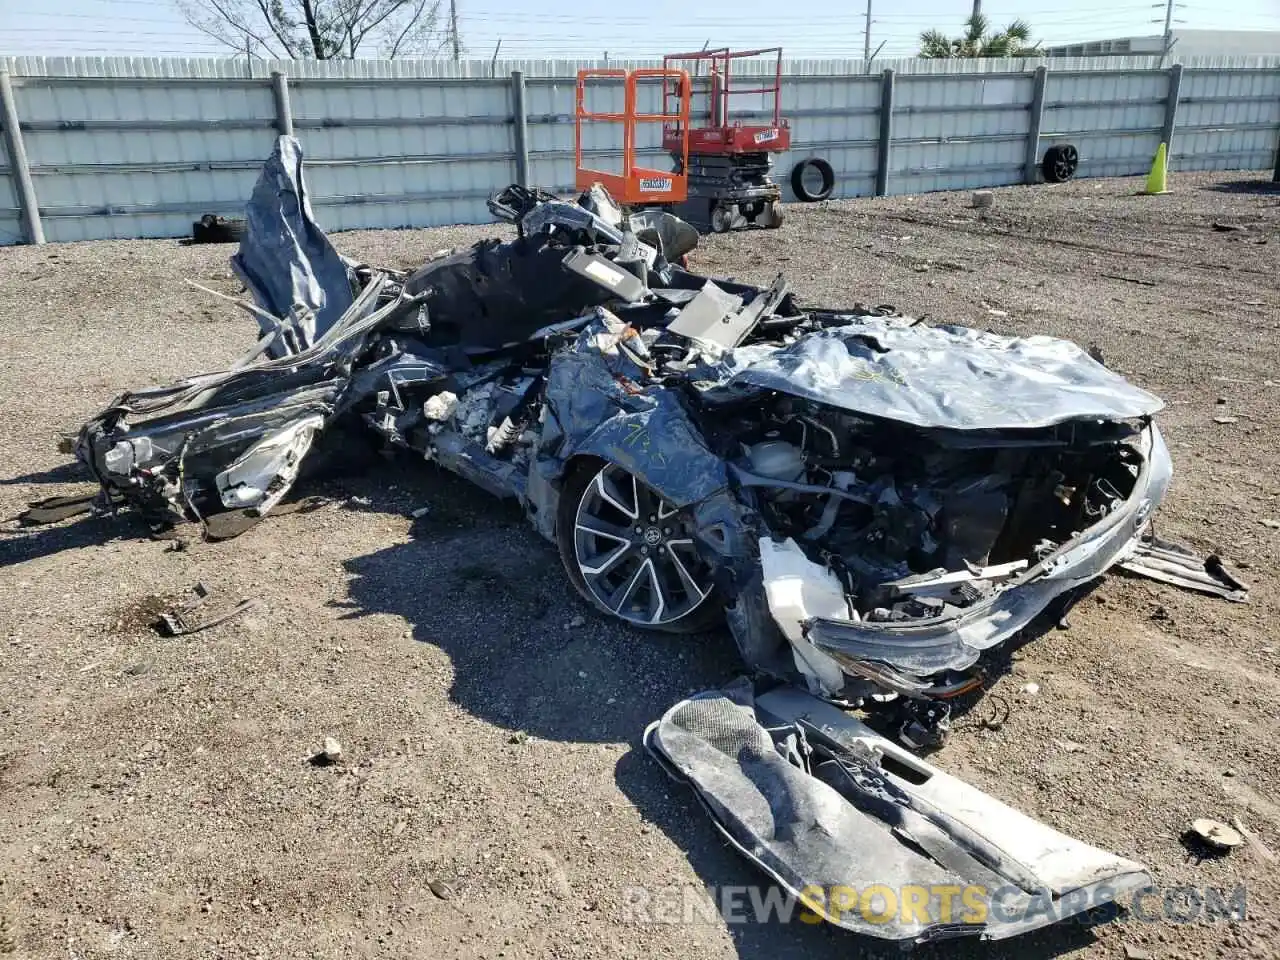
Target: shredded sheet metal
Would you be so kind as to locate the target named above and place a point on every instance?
(1175, 564)
(838, 815)
(595, 407)
(943, 377)
(285, 258)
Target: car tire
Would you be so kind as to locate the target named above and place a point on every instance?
(214, 229)
(722, 219)
(593, 482)
(802, 190)
(1060, 163)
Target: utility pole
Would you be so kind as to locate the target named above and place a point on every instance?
(453, 30)
(1169, 6)
(866, 36)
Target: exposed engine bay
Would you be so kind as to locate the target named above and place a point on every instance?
(891, 511)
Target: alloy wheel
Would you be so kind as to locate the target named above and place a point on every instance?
(635, 551)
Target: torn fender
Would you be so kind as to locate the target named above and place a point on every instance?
(594, 410)
(1174, 564)
(285, 259)
(262, 475)
(867, 835)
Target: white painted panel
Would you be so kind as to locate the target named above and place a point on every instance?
(103, 100)
(10, 225)
(1225, 150)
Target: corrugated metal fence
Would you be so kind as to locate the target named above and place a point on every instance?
(126, 147)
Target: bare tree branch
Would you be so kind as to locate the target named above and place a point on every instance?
(276, 28)
(392, 6)
(207, 26)
(318, 29)
(409, 25)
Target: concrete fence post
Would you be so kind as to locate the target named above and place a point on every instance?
(284, 112)
(1171, 110)
(1275, 177)
(886, 133)
(1034, 121)
(520, 127)
(18, 169)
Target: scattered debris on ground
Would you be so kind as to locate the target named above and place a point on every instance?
(1216, 835)
(178, 621)
(331, 752)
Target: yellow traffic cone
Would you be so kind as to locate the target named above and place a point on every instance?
(1159, 175)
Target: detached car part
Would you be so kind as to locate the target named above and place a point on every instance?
(868, 836)
(1060, 163)
(813, 179)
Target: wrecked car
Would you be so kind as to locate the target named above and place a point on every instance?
(870, 502)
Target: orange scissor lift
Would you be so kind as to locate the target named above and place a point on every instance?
(634, 184)
(720, 175)
(728, 147)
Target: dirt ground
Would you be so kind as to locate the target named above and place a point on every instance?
(156, 799)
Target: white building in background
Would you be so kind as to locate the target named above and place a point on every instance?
(1186, 43)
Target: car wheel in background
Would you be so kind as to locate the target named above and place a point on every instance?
(215, 229)
(1060, 163)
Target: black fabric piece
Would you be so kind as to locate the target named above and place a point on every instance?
(498, 293)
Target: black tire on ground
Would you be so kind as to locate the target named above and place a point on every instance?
(802, 189)
(707, 615)
(772, 217)
(212, 229)
(1060, 163)
(722, 219)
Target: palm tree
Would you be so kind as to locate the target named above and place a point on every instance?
(1012, 41)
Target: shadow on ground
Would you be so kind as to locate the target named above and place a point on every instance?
(528, 653)
(478, 583)
(72, 471)
(31, 543)
(1267, 186)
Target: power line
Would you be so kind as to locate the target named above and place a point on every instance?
(715, 19)
(837, 35)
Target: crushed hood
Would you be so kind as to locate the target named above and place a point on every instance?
(942, 377)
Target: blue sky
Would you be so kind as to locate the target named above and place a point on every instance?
(571, 28)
